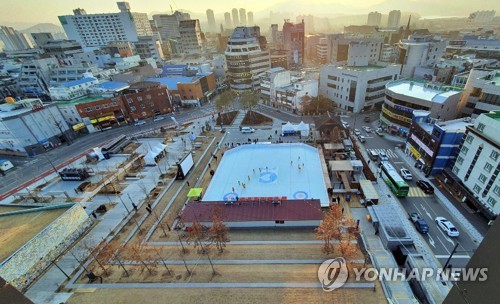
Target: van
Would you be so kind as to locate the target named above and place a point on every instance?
(373, 155)
(6, 165)
(247, 130)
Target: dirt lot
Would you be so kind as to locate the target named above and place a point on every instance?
(256, 119)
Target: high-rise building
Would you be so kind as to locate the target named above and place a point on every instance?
(309, 22)
(374, 18)
(227, 20)
(168, 25)
(14, 40)
(394, 19)
(293, 42)
(250, 19)
(236, 19)
(211, 21)
(246, 56)
(243, 17)
(93, 30)
(191, 36)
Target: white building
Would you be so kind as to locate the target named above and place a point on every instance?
(149, 47)
(478, 163)
(246, 56)
(74, 72)
(96, 30)
(481, 93)
(14, 40)
(339, 47)
(72, 89)
(404, 98)
(30, 127)
(270, 80)
(388, 53)
(34, 78)
(419, 51)
(290, 97)
(356, 88)
(190, 36)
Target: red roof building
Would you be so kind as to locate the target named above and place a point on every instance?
(256, 212)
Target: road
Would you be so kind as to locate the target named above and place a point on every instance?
(417, 201)
(31, 169)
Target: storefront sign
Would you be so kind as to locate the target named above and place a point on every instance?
(414, 152)
(421, 144)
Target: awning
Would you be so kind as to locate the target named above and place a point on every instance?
(78, 126)
(195, 192)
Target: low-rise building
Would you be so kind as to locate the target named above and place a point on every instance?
(435, 146)
(356, 88)
(290, 97)
(34, 77)
(68, 73)
(475, 172)
(481, 92)
(72, 89)
(404, 97)
(270, 80)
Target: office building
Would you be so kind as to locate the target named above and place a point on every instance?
(211, 21)
(308, 21)
(243, 17)
(227, 20)
(481, 93)
(478, 164)
(356, 88)
(61, 49)
(250, 19)
(406, 99)
(293, 43)
(434, 146)
(394, 19)
(338, 48)
(149, 47)
(42, 38)
(236, 19)
(246, 56)
(168, 25)
(14, 40)
(190, 36)
(374, 19)
(96, 30)
(419, 51)
(34, 78)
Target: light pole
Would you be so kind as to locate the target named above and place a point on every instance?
(53, 167)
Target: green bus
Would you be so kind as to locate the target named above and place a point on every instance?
(397, 184)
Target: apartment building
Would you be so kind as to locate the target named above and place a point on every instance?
(481, 92)
(419, 51)
(191, 37)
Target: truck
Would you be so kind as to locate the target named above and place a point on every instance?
(419, 222)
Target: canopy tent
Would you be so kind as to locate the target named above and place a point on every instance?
(195, 192)
(153, 155)
(290, 128)
(303, 128)
(287, 128)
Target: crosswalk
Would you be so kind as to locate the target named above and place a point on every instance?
(389, 153)
(416, 192)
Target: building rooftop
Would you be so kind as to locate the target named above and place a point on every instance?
(494, 115)
(423, 91)
(77, 82)
(112, 85)
(171, 82)
(367, 68)
(80, 100)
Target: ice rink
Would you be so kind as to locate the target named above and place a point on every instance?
(269, 170)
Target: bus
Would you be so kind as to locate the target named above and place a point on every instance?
(397, 184)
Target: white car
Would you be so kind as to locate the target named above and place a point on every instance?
(367, 129)
(446, 226)
(158, 118)
(361, 138)
(247, 130)
(357, 132)
(406, 174)
(346, 125)
(139, 123)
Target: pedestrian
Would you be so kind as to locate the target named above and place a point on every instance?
(149, 205)
(215, 158)
(94, 215)
(149, 210)
(338, 197)
(208, 165)
(260, 170)
(244, 186)
(232, 145)
(187, 182)
(76, 190)
(342, 210)
(249, 178)
(291, 163)
(253, 170)
(233, 189)
(237, 198)
(239, 184)
(368, 161)
(134, 206)
(276, 132)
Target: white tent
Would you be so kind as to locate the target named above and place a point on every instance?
(287, 128)
(150, 158)
(303, 128)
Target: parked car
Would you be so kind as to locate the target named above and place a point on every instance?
(373, 155)
(6, 165)
(447, 226)
(357, 132)
(420, 223)
(139, 123)
(361, 138)
(346, 125)
(425, 186)
(367, 119)
(383, 156)
(367, 129)
(158, 118)
(379, 132)
(247, 130)
(406, 174)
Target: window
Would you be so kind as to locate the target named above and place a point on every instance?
(456, 170)
(143, 106)
(480, 127)
(476, 188)
(496, 190)
(464, 150)
(488, 167)
(148, 96)
(494, 155)
(460, 160)
(279, 222)
(482, 178)
(130, 100)
(469, 139)
(132, 109)
(491, 201)
(139, 98)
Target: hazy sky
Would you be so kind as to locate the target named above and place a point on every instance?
(48, 10)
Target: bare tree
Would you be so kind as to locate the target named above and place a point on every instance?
(224, 101)
(217, 233)
(331, 228)
(249, 100)
(158, 253)
(93, 251)
(197, 234)
(143, 255)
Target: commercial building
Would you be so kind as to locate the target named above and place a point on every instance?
(293, 43)
(211, 21)
(96, 30)
(168, 25)
(478, 164)
(270, 80)
(357, 88)
(338, 47)
(199, 88)
(14, 40)
(389, 53)
(34, 78)
(419, 51)
(74, 72)
(435, 146)
(481, 48)
(149, 47)
(61, 49)
(374, 19)
(404, 99)
(290, 97)
(72, 89)
(481, 92)
(122, 48)
(246, 56)
(394, 19)
(30, 127)
(146, 99)
(190, 37)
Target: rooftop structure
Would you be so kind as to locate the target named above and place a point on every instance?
(428, 92)
(293, 171)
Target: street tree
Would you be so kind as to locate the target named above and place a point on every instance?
(316, 105)
(331, 228)
(224, 101)
(249, 100)
(217, 233)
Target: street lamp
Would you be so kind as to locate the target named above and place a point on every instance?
(53, 167)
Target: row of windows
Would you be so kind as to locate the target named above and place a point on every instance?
(104, 106)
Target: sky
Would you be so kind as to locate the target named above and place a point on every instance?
(39, 11)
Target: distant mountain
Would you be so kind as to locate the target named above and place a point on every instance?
(43, 27)
(436, 8)
(313, 8)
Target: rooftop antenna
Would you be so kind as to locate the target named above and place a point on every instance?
(171, 9)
